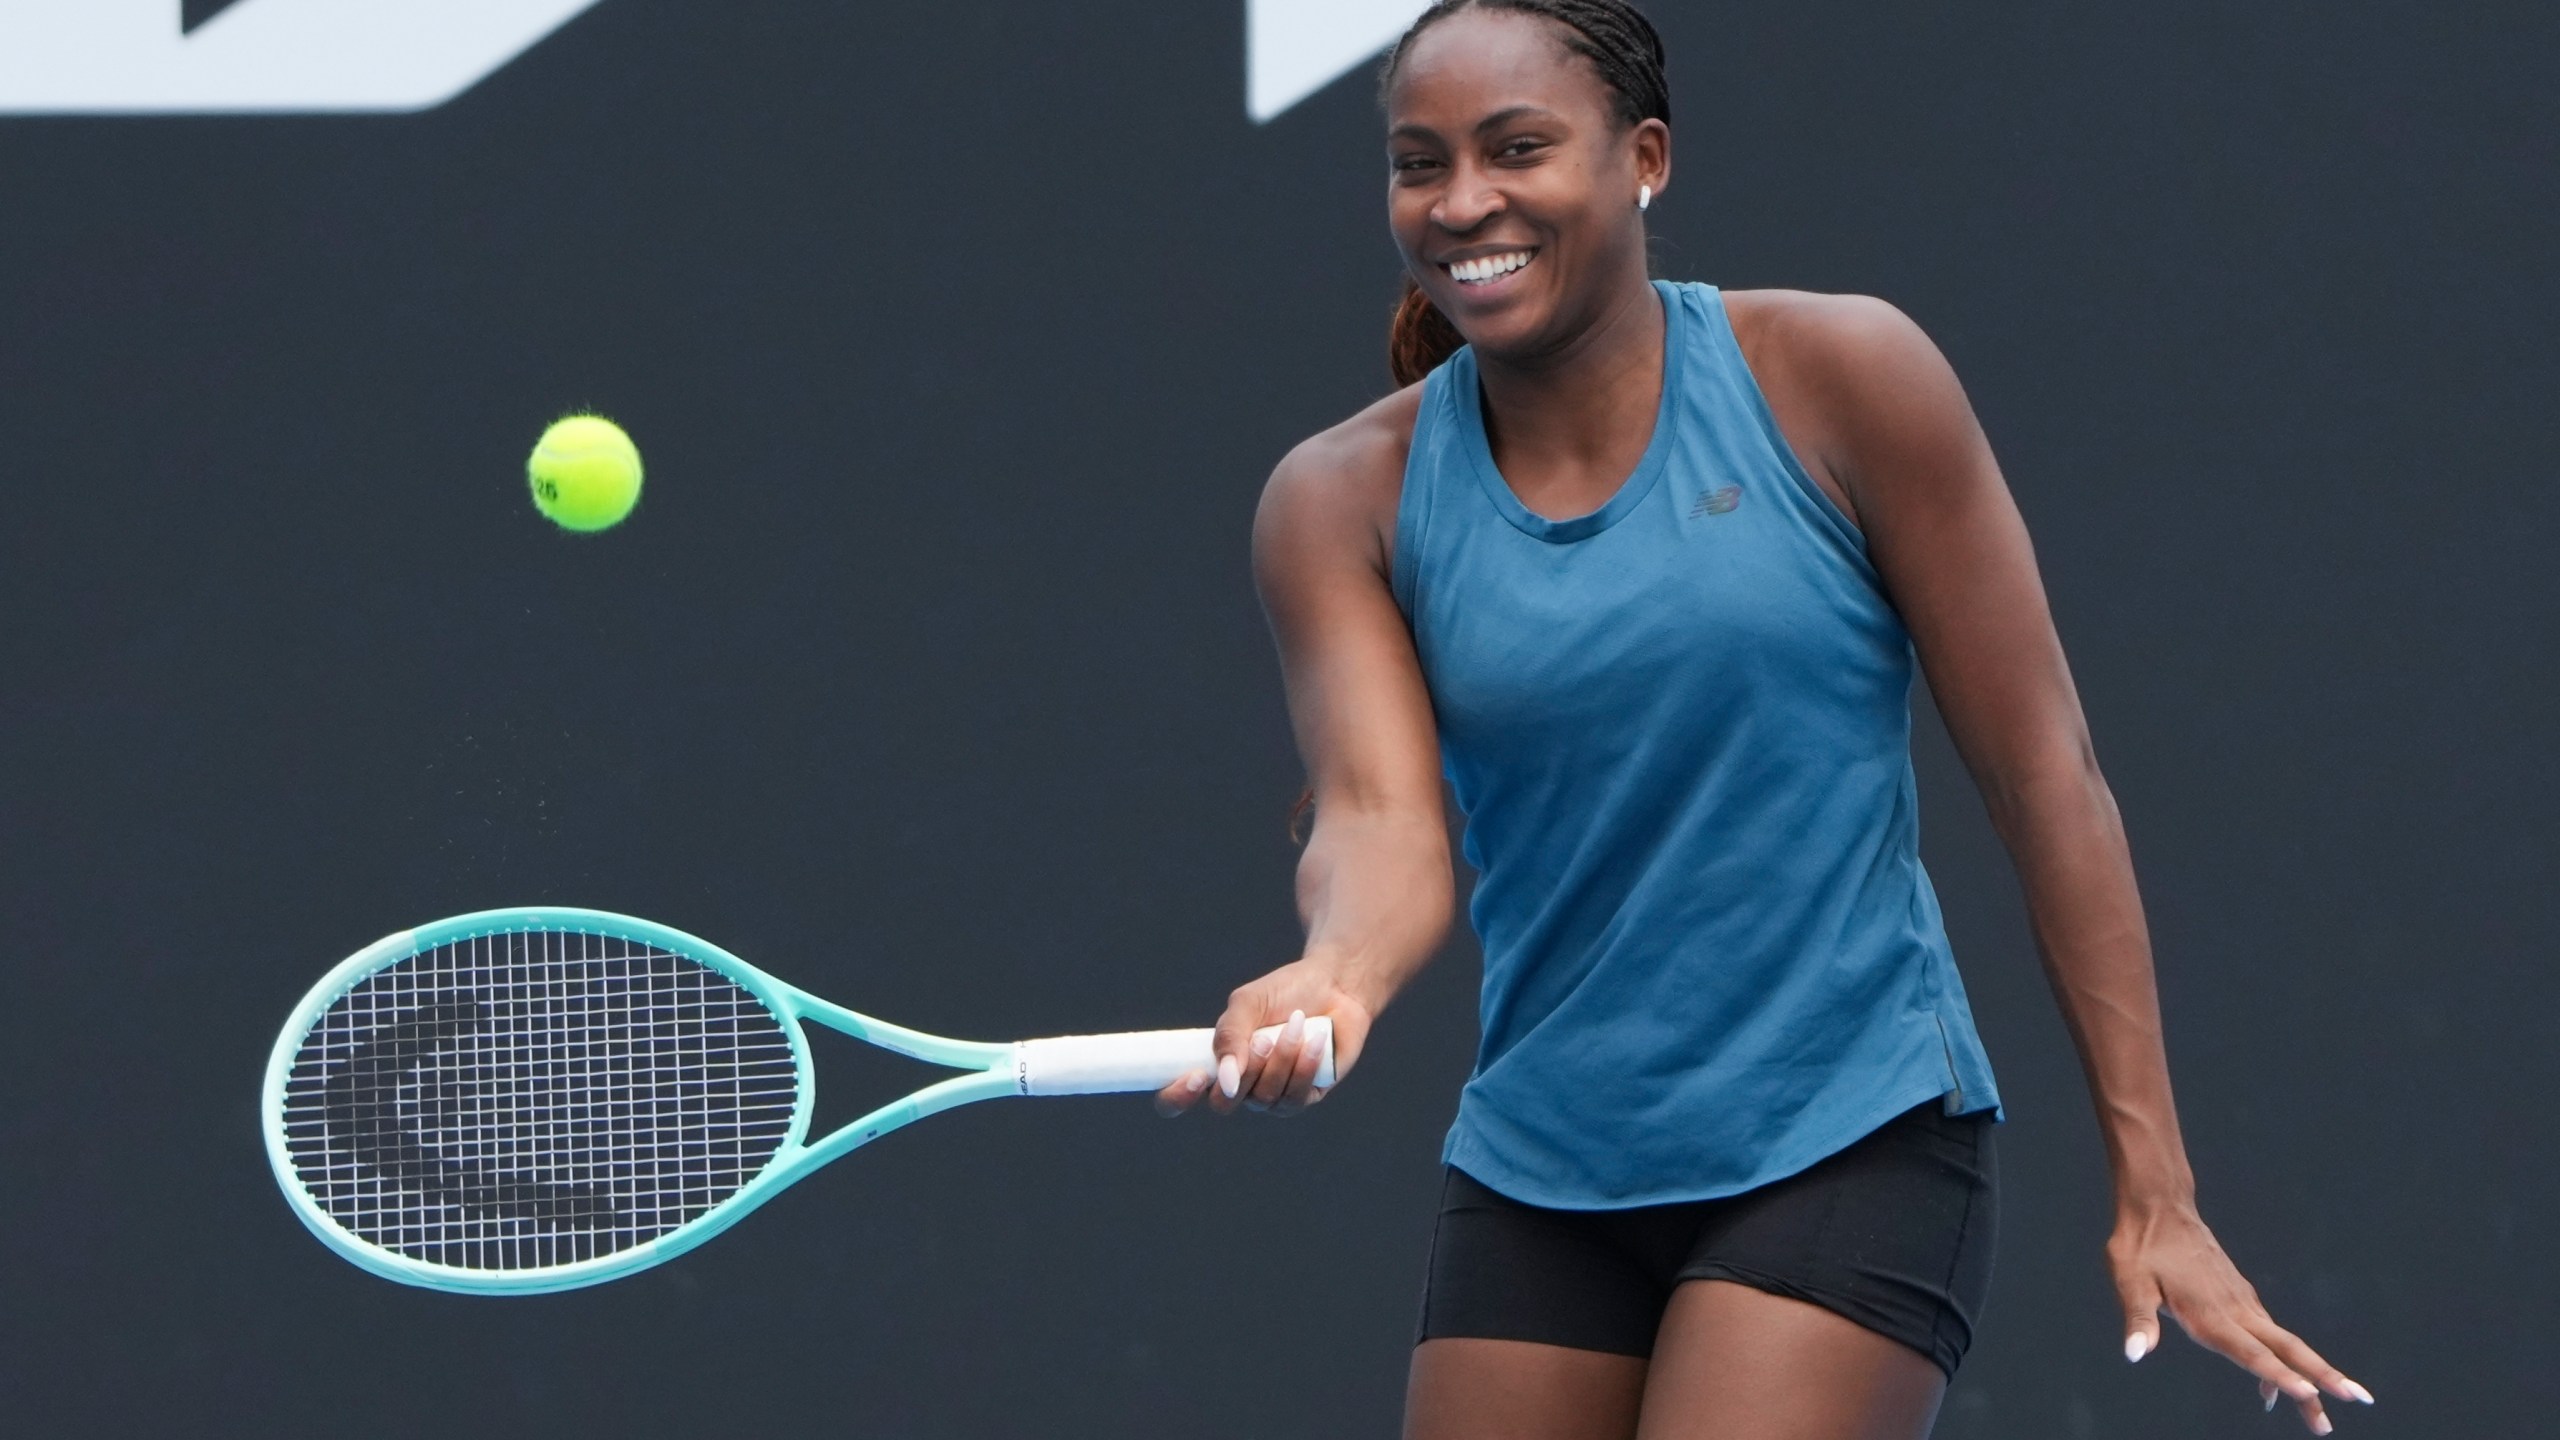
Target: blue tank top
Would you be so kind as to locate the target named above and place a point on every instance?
(1679, 727)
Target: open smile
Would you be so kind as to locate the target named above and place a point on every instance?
(1483, 270)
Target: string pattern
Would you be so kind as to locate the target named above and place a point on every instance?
(534, 1099)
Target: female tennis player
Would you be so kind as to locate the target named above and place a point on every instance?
(1647, 566)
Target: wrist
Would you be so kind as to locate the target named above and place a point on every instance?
(1362, 985)
(2147, 1158)
(2155, 1196)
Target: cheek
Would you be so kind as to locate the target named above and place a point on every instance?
(1561, 195)
(1408, 217)
(1579, 236)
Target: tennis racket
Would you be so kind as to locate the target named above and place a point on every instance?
(519, 1101)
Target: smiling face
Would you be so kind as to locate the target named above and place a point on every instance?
(1513, 182)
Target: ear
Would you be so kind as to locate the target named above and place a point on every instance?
(1652, 141)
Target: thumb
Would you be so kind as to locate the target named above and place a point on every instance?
(2141, 1295)
(1232, 1042)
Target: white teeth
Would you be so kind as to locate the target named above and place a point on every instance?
(1490, 267)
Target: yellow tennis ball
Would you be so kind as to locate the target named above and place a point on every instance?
(585, 473)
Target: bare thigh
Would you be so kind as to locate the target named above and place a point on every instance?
(1734, 1363)
(1514, 1390)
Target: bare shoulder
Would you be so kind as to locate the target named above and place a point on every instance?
(1839, 347)
(1339, 487)
(1838, 339)
(1859, 390)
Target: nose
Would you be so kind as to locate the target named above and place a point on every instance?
(1470, 200)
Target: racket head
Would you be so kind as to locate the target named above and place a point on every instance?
(442, 1108)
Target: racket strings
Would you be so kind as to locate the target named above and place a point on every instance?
(527, 1100)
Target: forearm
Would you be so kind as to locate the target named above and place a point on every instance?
(2067, 839)
(1376, 893)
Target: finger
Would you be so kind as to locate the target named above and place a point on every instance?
(1182, 1094)
(1300, 1092)
(2253, 1341)
(2246, 1351)
(1232, 1043)
(2268, 1395)
(2306, 1361)
(1244, 1070)
(1279, 1055)
(2141, 1296)
(1227, 1083)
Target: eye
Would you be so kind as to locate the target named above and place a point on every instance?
(1520, 149)
(1413, 164)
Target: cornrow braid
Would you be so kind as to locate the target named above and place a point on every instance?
(1620, 44)
(1612, 34)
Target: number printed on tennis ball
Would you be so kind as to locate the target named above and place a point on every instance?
(585, 473)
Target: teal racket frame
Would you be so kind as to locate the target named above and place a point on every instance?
(1064, 1065)
(988, 1068)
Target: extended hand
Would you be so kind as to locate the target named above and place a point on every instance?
(2165, 1258)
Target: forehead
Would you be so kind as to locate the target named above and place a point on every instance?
(1479, 61)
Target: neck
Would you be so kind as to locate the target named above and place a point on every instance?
(1584, 401)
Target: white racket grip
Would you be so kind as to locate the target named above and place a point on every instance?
(1138, 1060)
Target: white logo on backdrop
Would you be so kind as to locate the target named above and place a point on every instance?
(129, 57)
(1294, 48)
(135, 57)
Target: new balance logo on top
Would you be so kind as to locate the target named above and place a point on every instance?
(1719, 501)
(175, 57)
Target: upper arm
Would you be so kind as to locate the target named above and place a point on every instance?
(1321, 553)
(1947, 539)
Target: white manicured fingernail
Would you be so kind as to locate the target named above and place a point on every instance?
(1196, 1081)
(2270, 1394)
(2136, 1345)
(2362, 1395)
(1262, 1042)
(1230, 1075)
(2320, 1425)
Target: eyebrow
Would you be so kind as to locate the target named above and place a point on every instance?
(1505, 116)
(1494, 121)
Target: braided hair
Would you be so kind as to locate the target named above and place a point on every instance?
(1620, 44)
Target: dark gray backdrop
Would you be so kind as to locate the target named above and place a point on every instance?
(929, 674)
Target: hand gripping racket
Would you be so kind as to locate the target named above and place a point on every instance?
(528, 1100)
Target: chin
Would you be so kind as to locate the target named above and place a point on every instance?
(1508, 332)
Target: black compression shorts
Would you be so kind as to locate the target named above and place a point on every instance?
(1894, 1232)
